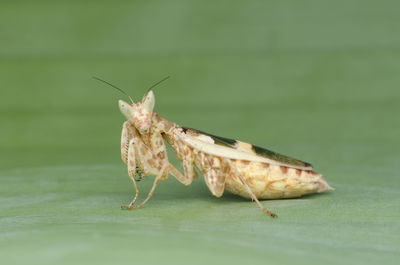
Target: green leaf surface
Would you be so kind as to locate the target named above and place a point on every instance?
(316, 80)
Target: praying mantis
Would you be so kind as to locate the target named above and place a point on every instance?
(243, 169)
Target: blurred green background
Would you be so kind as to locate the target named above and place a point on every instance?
(317, 80)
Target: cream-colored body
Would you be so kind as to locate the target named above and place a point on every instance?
(274, 182)
(234, 166)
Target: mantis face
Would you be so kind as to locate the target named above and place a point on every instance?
(139, 113)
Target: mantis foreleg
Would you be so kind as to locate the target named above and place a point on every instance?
(151, 159)
(126, 135)
(131, 162)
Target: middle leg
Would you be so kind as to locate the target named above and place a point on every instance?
(185, 155)
(215, 171)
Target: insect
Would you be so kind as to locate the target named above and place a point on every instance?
(241, 168)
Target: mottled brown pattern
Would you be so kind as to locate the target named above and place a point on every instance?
(187, 151)
(274, 182)
(269, 184)
(185, 154)
(215, 176)
(142, 149)
(152, 163)
(161, 155)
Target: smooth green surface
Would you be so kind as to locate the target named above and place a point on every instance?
(317, 80)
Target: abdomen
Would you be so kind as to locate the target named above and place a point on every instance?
(274, 182)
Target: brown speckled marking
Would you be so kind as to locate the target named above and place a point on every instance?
(214, 172)
(152, 163)
(269, 184)
(161, 156)
(284, 169)
(273, 182)
(187, 151)
(142, 149)
(186, 155)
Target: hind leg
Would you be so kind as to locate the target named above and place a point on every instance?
(252, 195)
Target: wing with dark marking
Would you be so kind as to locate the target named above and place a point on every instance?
(217, 139)
(248, 149)
(279, 157)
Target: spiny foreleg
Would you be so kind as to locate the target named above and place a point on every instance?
(128, 154)
(150, 194)
(126, 136)
(131, 157)
(152, 160)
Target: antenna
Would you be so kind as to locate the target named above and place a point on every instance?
(159, 82)
(123, 92)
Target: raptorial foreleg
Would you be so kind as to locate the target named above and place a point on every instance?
(150, 194)
(131, 162)
(152, 160)
(126, 136)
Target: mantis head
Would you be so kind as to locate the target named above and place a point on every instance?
(139, 113)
